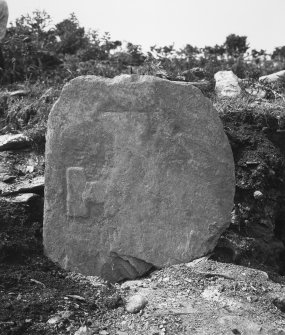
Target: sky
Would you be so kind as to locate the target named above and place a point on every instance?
(164, 22)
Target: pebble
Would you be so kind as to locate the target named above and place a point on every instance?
(13, 142)
(136, 303)
(258, 195)
(83, 331)
(60, 317)
(53, 320)
(103, 332)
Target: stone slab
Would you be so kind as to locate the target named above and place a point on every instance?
(139, 173)
(24, 198)
(14, 142)
(31, 185)
(273, 77)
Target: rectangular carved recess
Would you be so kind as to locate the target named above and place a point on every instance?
(80, 192)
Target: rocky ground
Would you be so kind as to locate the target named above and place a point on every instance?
(205, 297)
(202, 297)
(239, 290)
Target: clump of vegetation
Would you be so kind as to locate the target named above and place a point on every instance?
(45, 56)
(28, 112)
(35, 49)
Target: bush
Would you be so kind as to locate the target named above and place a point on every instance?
(38, 51)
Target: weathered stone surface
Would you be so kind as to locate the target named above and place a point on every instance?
(274, 77)
(13, 142)
(138, 172)
(227, 84)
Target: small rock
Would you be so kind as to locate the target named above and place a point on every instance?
(33, 185)
(54, 320)
(132, 284)
(252, 162)
(24, 198)
(30, 169)
(76, 297)
(59, 317)
(273, 78)
(103, 332)
(83, 331)
(19, 93)
(66, 314)
(136, 303)
(258, 195)
(13, 142)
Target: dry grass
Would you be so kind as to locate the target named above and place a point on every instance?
(272, 108)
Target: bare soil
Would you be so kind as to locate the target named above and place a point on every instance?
(32, 288)
(256, 235)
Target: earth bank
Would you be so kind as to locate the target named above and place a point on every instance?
(256, 235)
